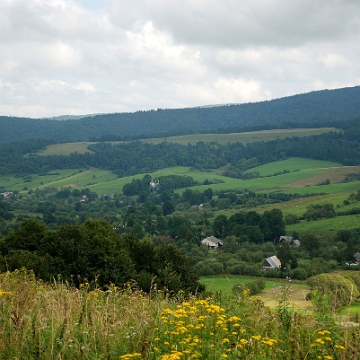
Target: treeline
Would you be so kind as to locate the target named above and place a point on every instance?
(250, 226)
(94, 253)
(161, 184)
(137, 157)
(317, 108)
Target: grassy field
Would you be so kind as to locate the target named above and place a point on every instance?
(265, 135)
(66, 149)
(57, 321)
(292, 164)
(325, 226)
(57, 179)
(303, 179)
(270, 295)
(245, 137)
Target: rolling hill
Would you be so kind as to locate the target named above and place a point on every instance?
(314, 109)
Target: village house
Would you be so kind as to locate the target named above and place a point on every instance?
(212, 242)
(7, 195)
(271, 262)
(290, 240)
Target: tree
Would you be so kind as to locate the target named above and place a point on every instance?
(311, 244)
(168, 208)
(286, 256)
(343, 291)
(220, 226)
(273, 224)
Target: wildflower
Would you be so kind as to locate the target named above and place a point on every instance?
(234, 318)
(225, 340)
(173, 356)
(256, 337)
(339, 347)
(224, 356)
(130, 356)
(320, 341)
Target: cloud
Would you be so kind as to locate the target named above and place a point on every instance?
(76, 56)
(234, 23)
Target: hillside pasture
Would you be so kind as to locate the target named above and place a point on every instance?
(325, 226)
(75, 178)
(104, 181)
(292, 164)
(66, 149)
(33, 181)
(243, 137)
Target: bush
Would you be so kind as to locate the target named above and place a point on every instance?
(343, 290)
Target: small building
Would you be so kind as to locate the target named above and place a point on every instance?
(7, 195)
(212, 242)
(290, 240)
(271, 262)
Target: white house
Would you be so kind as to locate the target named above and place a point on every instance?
(212, 242)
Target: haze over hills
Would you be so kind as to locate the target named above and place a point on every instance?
(314, 109)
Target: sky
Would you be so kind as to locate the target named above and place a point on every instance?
(75, 57)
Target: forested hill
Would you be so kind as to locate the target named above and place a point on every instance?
(313, 109)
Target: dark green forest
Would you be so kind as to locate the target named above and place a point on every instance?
(137, 157)
(315, 109)
(93, 252)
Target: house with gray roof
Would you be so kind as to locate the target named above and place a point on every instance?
(212, 242)
(271, 262)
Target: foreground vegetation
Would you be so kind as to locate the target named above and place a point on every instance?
(57, 321)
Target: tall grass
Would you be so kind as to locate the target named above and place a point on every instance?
(58, 321)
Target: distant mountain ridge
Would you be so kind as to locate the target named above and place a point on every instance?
(314, 109)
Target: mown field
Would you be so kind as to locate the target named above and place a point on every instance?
(297, 291)
(265, 135)
(272, 293)
(245, 137)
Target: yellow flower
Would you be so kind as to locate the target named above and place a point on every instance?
(224, 356)
(130, 356)
(339, 347)
(234, 318)
(173, 356)
(226, 340)
(256, 337)
(324, 332)
(320, 341)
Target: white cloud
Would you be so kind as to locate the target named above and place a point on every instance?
(77, 56)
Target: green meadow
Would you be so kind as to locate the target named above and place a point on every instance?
(264, 135)
(245, 137)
